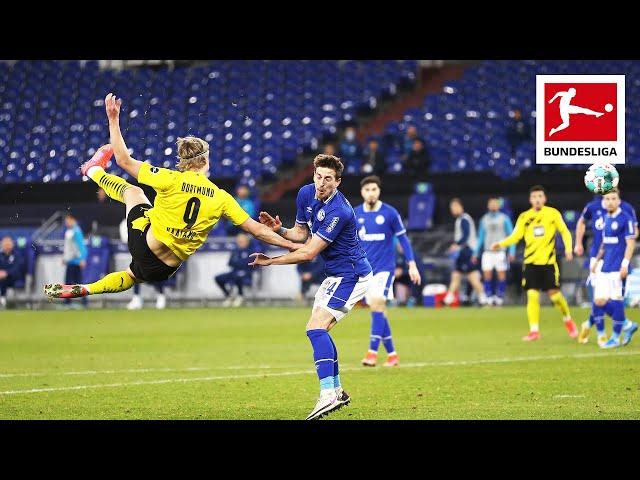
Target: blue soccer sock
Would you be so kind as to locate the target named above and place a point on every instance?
(336, 369)
(323, 354)
(501, 288)
(386, 337)
(617, 313)
(488, 287)
(136, 289)
(597, 318)
(377, 329)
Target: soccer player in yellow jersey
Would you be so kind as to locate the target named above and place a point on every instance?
(538, 226)
(164, 235)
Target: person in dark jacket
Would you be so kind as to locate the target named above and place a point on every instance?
(374, 161)
(418, 161)
(240, 270)
(11, 268)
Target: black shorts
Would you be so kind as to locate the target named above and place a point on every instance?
(540, 277)
(464, 263)
(144, 264)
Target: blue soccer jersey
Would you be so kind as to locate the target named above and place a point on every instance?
(376, 230)
(617, 228)
(595, 212)
(334, 221)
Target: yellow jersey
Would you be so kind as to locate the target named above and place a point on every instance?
(539, 231)
(186, 208)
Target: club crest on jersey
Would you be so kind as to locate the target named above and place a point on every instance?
(380, 219)
(154, 170)
(332, 225)
(320, 215)
(614, 225)
(599, 223)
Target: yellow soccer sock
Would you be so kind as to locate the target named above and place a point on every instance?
(113, 185)
(533, 310)
(561, 304)
(112, 283)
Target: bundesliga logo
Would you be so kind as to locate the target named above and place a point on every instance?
(580, 118)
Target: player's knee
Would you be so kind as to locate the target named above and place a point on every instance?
(133, 191)
(378, 304)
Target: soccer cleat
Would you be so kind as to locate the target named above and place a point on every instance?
(532, 337)
(448, 298)
(227, 302)
(602, 339)
(343, 397)
(392, 361)
(585, 330)
(611, 343)
(99, 159)
(135, 303)
(327, 403)
(238, 301)
(59, 290)
(628, 333)
(498, 301)
(161, 302)
(370, 359)
(571, 328)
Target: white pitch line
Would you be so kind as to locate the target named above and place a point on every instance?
(139, 370)
(301, 372)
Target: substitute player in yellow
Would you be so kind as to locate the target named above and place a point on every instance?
(538, 226)
(164, 235)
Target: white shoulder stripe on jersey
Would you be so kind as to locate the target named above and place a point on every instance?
(323, 237)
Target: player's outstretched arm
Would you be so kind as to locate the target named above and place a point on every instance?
(298, 233)
(120, 150)
(306, 253)
(265, 234)
(554, 97)
(581, 227)
(515, 237)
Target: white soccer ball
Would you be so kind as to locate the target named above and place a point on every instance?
(601, 178)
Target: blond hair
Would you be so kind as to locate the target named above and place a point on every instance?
(193, 153)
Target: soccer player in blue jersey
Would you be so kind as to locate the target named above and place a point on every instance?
(378, 225)
(326, 214)
(616, 250)
(494, 226)
(595, 212)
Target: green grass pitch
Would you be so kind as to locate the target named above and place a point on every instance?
(256, 363)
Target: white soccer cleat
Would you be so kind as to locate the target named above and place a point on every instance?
(3, 302)
(448, 299)
(227, 302)
(135, 303)
(498, 301)
(238, 301)
(161, 302)
(327, 402)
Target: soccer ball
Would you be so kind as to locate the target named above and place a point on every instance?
(601, 178)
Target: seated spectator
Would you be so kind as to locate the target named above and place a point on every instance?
(518, 131)
(418, 161)
(409, 138)
(310, 273)
(329, 149)
(11, 268)
(243, 197)
(349, 147)
(240, 273)
(374, 159)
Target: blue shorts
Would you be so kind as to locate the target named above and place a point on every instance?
(463, 261)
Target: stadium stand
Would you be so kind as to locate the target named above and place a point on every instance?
(259, 114)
